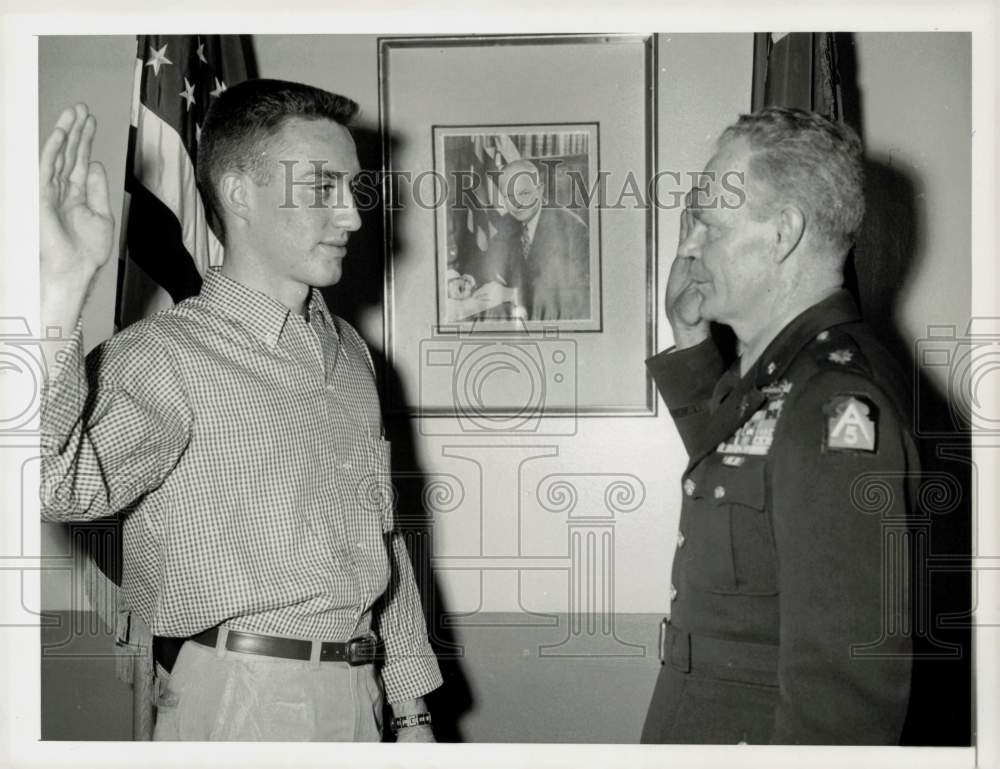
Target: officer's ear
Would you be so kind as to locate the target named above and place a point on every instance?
(790, 225)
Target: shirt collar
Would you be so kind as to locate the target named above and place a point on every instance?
(261, 315)
(836, 309)
(532, 225)
(319, 312)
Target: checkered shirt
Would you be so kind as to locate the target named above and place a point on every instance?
(244, 444)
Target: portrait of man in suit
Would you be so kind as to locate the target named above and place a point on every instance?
(555, 247)
(520, 243)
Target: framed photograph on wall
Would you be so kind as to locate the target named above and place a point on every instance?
(520, 234)
(518, 237)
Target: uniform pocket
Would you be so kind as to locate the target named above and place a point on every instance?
(752, 539)
(732, 532)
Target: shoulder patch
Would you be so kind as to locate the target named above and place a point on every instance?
(851, 424)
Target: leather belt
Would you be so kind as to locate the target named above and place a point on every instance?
(363, 650)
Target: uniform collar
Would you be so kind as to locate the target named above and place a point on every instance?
(261, 315)
(835, 310)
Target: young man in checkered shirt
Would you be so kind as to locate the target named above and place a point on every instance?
(240, 432)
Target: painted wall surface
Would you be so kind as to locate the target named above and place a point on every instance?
(97, 71)
(916, 131)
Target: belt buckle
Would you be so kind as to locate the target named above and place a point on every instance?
(360, 650)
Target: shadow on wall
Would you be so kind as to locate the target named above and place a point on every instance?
(884, 259)
(360, 290)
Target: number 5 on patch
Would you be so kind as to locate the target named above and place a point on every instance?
(850, 424)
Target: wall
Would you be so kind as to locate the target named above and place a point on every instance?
(500, 686)
(97, 71)
(916, 269)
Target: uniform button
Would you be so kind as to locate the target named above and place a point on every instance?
(680, 539)
(689, 487)
(719, 492)
(673, 593)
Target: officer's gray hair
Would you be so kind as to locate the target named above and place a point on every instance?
(814, 161)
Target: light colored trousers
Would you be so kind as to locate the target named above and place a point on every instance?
(217, 694)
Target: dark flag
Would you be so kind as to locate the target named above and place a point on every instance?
(798, 69)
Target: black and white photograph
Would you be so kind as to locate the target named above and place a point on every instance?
(516, 227)
(471, 395)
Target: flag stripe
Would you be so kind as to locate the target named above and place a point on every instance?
(154, 243)
(164, 168)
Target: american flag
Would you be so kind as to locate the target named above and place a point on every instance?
(167, 241)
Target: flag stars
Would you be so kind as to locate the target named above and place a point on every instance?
(188, 94)
(159, 57)
(219, 88)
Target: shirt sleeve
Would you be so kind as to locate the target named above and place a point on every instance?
(411, 668)
(113, 426)
(686, 379)
(839, 486)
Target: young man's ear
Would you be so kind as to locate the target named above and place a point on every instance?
(234, 194)
(790, 226)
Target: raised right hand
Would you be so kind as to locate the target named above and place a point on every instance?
(76, 224)
(683, 299)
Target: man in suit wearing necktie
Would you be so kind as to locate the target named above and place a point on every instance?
(555, 244)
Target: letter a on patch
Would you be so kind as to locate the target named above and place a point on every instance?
(850, 424)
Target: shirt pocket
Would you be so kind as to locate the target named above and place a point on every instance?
(737, 548)
(372, 459)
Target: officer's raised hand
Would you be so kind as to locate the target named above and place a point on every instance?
(75, 220)
(683, 299)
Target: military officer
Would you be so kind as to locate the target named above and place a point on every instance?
(783, 625)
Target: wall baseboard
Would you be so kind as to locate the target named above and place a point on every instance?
(508, 678)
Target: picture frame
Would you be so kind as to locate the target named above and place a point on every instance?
(536, 347)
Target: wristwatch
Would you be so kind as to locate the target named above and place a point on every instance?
(414, 719)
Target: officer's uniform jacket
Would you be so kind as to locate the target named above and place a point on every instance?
(787, 577)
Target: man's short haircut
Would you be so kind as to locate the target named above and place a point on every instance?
(811, 160)
(245, 117)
